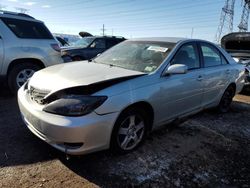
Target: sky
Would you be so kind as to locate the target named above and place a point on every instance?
(130, 18)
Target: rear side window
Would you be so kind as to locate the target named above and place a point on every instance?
(212, 56)
(27, 29)
(111, 42)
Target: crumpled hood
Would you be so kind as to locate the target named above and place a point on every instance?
(80, 73)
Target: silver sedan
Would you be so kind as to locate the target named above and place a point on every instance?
(114, 100)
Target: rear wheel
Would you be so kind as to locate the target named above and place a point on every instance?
(19, 74)
(129, 131)
(226, 99)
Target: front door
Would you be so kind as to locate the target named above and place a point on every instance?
(181, 93)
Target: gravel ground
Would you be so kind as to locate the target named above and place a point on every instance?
(206, 150)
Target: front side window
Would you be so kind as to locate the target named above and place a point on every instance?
(98, 43)
(143, 56)
(27, 29)
(211, 56)
(83, 42)
(187, 55)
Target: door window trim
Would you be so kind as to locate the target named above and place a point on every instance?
(213, 47)
(197, 51)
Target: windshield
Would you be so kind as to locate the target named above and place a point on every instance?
(143, 56)
(84, 42)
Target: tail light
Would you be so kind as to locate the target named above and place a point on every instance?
(56, 47)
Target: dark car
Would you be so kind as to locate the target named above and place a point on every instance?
(237, 44)
(89, 47)
(62, 42)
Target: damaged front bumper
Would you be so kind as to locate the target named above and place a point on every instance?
(72, 135)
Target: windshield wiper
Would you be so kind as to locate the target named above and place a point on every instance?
(92, 60)
(113, 65)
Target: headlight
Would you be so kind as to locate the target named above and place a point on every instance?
(75, 105)
(64, 53)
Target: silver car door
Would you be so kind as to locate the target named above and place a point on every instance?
(216, 73)
(180, 94)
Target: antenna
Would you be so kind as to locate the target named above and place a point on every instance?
(226, 20)
(243, 26)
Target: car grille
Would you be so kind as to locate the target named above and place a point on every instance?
(37, 95)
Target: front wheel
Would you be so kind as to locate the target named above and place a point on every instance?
(78, 58)
(19, 74)
(129, 131)
(226, 99)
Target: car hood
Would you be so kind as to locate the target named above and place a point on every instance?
(80, 73)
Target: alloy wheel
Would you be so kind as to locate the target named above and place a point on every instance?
(131, 132)
(23, 76)
(226, 99)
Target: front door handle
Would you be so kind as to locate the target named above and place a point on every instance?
(200, 78)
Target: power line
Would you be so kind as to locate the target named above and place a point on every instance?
(152, 22)
(138, 11)
(168, 16)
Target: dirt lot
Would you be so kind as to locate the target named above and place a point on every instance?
(208, 149)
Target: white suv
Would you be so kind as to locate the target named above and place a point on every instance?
(26, 45)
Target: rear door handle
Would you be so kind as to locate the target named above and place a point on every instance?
(200, 78)
(228, 71)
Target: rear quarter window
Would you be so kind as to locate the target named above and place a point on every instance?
(27, 29)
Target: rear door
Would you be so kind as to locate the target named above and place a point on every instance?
(111, 42)
(216, 73)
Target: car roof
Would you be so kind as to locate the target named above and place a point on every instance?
(161, 39)
(16, 15)
(170, 40)
(106, 37)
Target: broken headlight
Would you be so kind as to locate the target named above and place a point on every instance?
(74, 105)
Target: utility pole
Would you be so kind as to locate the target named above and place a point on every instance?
(243, 26)
(22, 10)
(192, 32)
(226, 20)
(103, 30)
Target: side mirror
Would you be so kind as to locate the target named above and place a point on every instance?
(176, 69)
(93, 45)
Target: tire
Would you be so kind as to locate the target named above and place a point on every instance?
(78, 58)
(19, 74)
(129, 131)
(226, 100)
